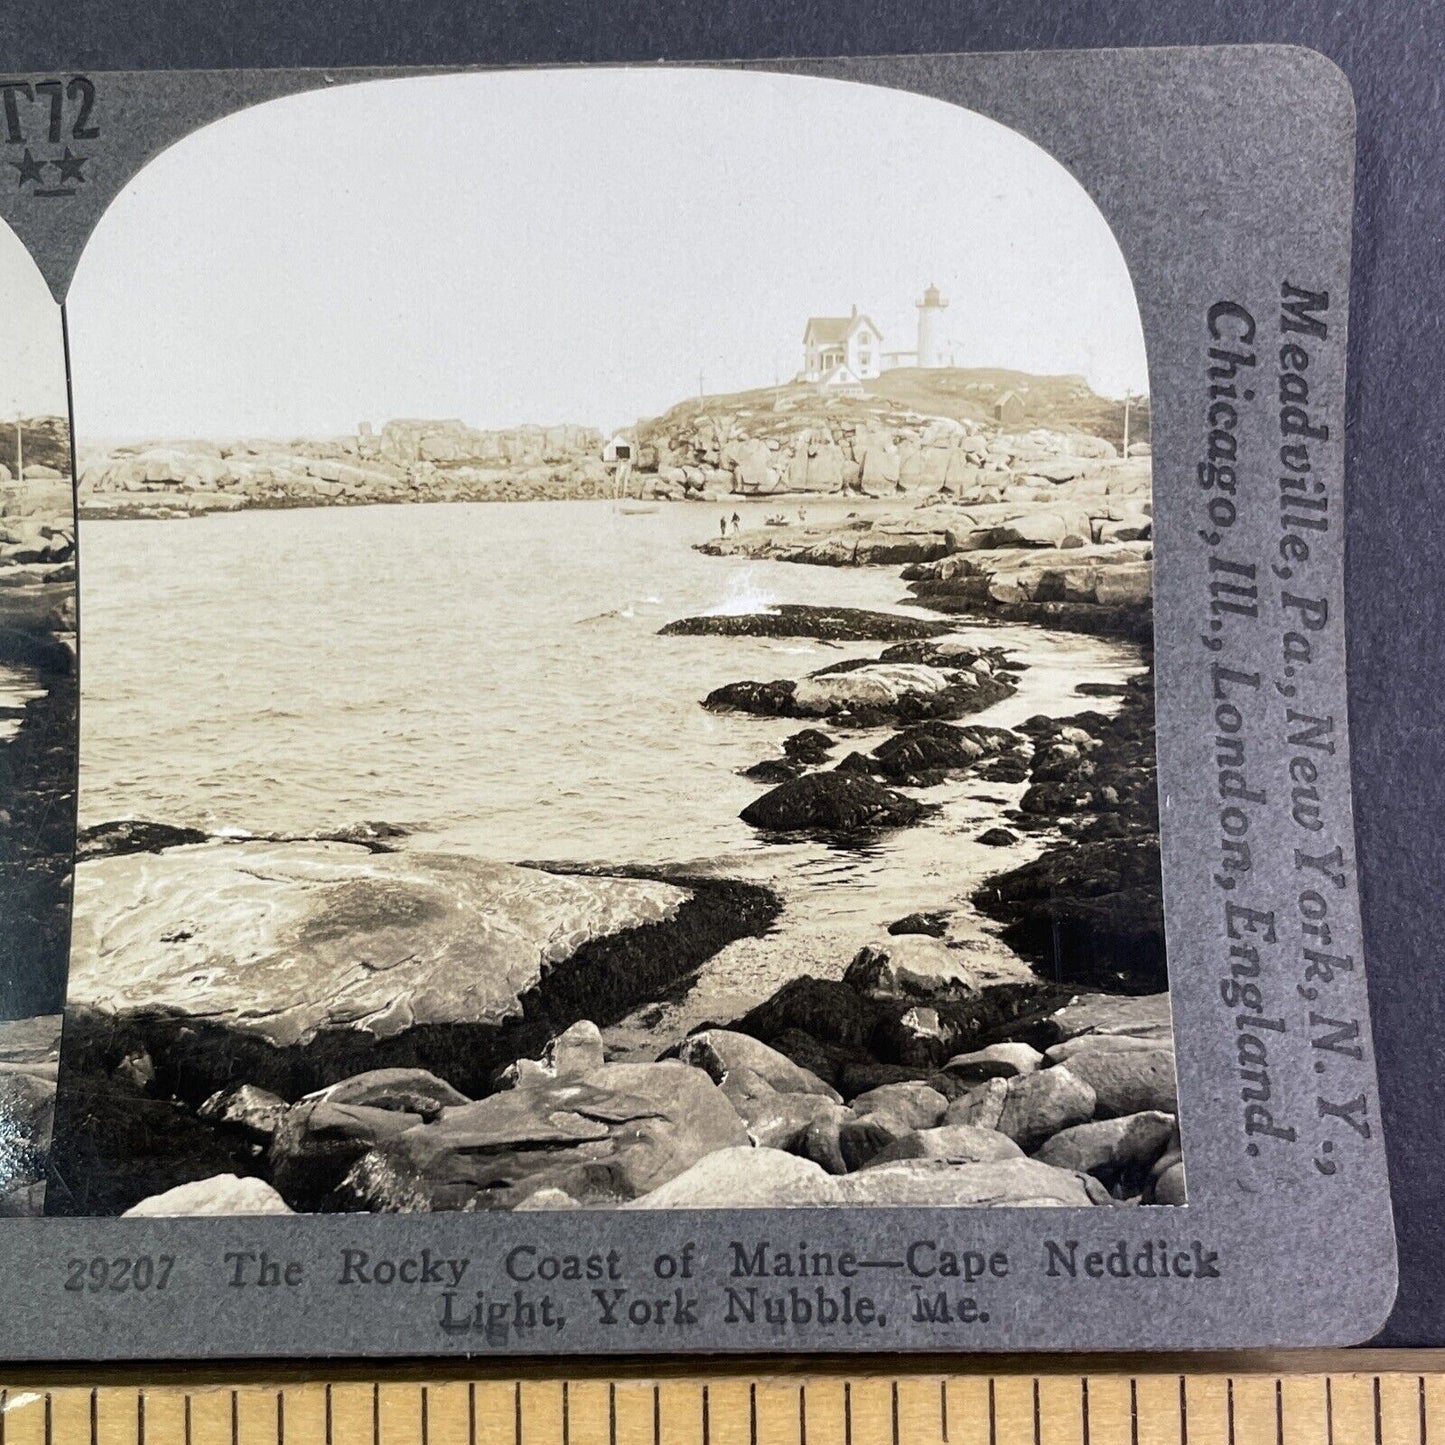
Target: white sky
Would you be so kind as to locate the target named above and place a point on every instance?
(32, 353)
(572, 246)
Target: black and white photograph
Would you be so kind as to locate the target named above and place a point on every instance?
(37, 719)
(617, 662)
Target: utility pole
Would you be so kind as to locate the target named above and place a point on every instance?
(1128, 397)
(19, 451)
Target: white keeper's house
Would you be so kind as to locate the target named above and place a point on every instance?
(841, 350)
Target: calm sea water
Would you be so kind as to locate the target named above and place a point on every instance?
(490, 677)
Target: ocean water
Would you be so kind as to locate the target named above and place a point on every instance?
(490, 677)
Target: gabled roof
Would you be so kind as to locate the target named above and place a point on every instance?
(833, 330)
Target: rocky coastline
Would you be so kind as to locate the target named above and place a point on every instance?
(340, 1021)
(911, 432)
(389, 1029)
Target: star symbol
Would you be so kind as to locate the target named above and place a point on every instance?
(69, 166)
(30, 169)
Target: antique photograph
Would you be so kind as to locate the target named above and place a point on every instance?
(617, 662)
(37, 718)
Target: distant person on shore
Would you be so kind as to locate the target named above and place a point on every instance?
(722, 525)
(737, 524)
(802, 515)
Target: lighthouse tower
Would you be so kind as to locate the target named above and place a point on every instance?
(930, 319)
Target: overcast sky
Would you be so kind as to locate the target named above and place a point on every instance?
(585, 246)
(32, 354)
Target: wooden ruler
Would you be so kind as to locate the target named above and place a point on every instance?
(1346, 1398)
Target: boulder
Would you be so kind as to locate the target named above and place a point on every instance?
(1169, 1187)
(743, 1178)
(316, 1142)
(982, 1106)
(996, 1061)
(809, 747)
(882, 685)
(919, 1037)
(931, 925)
(782, 1121)
(933, 746)
(718, 1052)
(222, 1194)
(914, 1104)
(406, 1091)
(840, 803)
(619, 1133)
(949, 1144)
(255, 1112)
(1111, 1148)
(931, 1183)
(293, 938)
(1127, 1081)
(910, 965)
(1036, 1106)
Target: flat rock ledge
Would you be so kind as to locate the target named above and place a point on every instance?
(285, 940)
(826, 624)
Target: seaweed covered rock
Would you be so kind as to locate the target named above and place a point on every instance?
(827, 624)
(836, 803)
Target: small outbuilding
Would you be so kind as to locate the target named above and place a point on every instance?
(1009, 408)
